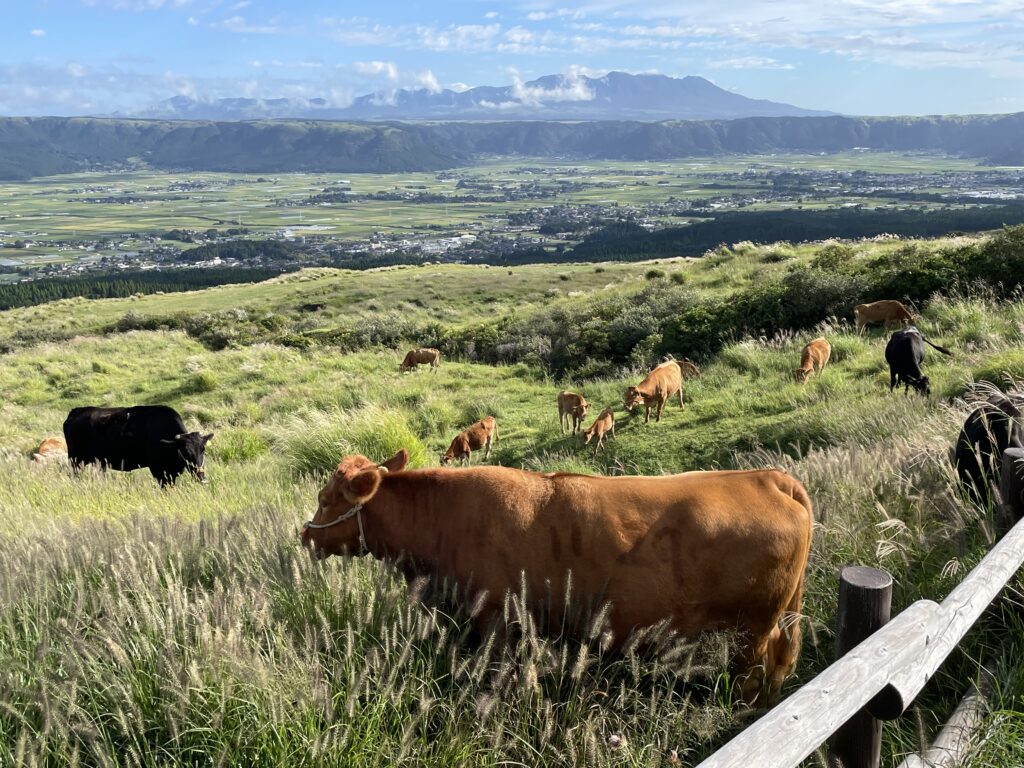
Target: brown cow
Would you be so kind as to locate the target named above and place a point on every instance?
(886, 311)
(422, 356)
(702, 550)
(51, 449)
(655, 390)
(571, 408)
(471, 439)
(688, 368)
(813, 359)
(603, 425)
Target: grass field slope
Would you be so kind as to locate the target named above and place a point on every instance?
(186, 626)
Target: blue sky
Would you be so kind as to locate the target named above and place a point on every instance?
(850, 56)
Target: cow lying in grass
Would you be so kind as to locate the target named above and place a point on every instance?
(813, 359)
(655, 390)
(51, 449)
(572, 409)
(887, 312)
(476, 437)
(700, 550)
(603, 425)
(424, 356)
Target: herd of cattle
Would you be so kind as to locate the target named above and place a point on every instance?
(700, 550)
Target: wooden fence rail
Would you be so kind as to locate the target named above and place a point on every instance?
(885, 673)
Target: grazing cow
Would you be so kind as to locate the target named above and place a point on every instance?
(700, 550)
(904, 353)
(991, 428)
(655, 390)
(886, 311)
(688, 368)
(813, 359)
(571, 408)
(50, 450)
(150, 436)
(478, 436)
(603, 425)
(423, 356)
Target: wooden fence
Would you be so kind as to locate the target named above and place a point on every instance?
(884, 664)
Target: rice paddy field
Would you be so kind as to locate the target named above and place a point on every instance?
(186, 626)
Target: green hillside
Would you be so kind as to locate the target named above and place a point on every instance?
(187, 626)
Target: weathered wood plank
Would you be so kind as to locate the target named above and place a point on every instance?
(960, 611)
(791, 731)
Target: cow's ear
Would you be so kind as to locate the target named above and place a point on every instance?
(397, 462)
(207, 438)
(363, 486)
(169, 441)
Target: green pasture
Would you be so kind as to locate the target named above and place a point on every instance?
(141, 626)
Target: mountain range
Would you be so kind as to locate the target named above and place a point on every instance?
(615, 96)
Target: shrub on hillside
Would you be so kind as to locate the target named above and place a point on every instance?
(313, 443)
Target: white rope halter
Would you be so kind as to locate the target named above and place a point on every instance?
(356, 512)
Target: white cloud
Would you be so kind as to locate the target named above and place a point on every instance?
(491, 15)
(38, 33)
(241, 26)
(428, 80)
(458, 87)
(571, 86)
(377, 68)
(749, 62)
(76, 70)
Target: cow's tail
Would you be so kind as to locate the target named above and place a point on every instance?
(936, 347)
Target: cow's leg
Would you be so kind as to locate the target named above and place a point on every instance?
(561, 422)
(647, 413)
(487, 448)
(661, 407)
(613, 431)
(681, 403)
(892, 380)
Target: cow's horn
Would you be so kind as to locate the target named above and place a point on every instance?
(382, 469)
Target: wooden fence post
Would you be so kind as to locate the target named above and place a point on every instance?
(865, 603)
(1011, 487)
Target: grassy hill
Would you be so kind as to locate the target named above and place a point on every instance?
(144, 626)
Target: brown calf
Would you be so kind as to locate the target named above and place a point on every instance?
(813, 359)
(655, 390)
(603, 425)
(571, 408)
(473, 438)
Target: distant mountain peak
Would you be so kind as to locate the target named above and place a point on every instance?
(572, 96)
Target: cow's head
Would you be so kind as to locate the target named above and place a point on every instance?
(800, 375)
(588, 435)
(353, 484)
(190, 449)
(581, 409)
(922, 385)
(632, 399)
(446, 458)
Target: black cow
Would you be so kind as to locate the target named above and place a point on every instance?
(151, 436)
(992, 427)
(904, 354)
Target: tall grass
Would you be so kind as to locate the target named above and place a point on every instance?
(141, 626)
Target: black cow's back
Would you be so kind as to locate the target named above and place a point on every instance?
(121, 438)
(988, 431)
